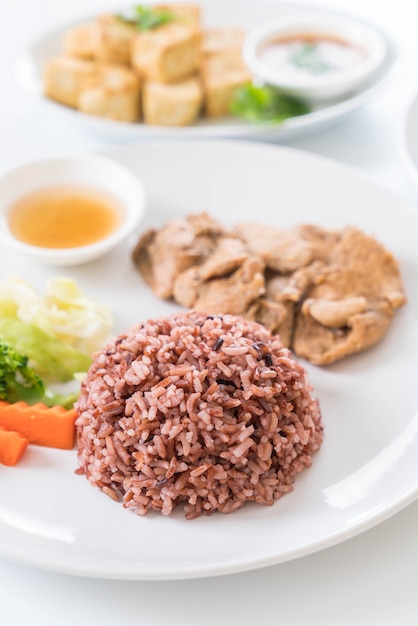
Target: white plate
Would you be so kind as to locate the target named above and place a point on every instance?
(367, 468)
(244, 13)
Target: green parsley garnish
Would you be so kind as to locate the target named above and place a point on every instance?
(308, 57)
(266, 104)
(20, 382)
(145, 18)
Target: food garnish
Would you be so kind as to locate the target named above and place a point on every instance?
(308, 57)
(65, 312)
(56, 334)
(47, 339)
(44, 340)
(145, 18)
(266, 104)
(19, 381)
(40, 424)
(12, 446)
(54, 360)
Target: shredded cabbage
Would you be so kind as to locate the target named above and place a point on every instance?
(20, 382)
(53, 359)
(65, 313)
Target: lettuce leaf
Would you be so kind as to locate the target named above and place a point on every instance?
(53, 360)
(65, 312)
(20, 382)
(266, 104)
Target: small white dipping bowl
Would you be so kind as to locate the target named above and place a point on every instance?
(88, 172)
(308, 85)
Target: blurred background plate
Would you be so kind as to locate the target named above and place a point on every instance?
(242, 13)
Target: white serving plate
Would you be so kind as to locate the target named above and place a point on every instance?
(243, 13)
(367, 468)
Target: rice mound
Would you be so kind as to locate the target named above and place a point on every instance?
(206, 411)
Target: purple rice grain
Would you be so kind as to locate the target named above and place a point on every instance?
(166, 420)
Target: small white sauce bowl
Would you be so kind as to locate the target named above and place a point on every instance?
(93, 172)
(317, 87)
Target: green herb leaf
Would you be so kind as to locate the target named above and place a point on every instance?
(145, 18)
(266, 104)
(308, 57)
(20, 382)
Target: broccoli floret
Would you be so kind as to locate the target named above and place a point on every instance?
(20, 382)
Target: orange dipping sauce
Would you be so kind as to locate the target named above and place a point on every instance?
(64, 217)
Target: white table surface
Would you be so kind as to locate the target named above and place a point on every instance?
(368, 580)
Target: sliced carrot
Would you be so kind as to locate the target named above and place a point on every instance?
(42, 425)
(12, 446)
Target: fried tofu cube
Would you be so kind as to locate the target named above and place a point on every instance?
(174, 104)
(112, 40)
(222, 75)
(66, 77)
(222, 40)
(114, 93)
(78, 42)
(187, 13)
(168, 53)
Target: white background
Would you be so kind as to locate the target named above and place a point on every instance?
(369, 580)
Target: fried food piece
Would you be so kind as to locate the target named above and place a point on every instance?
(112, 40)
(222, 40)
(79, 42)
(168, 53)
(114, 93)
(66, 77)
(222, 75)
(172, 104)
(187, 13)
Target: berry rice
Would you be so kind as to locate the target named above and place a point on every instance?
(207, 412)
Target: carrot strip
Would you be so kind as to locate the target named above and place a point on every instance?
(12, 446)
(45, 426)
